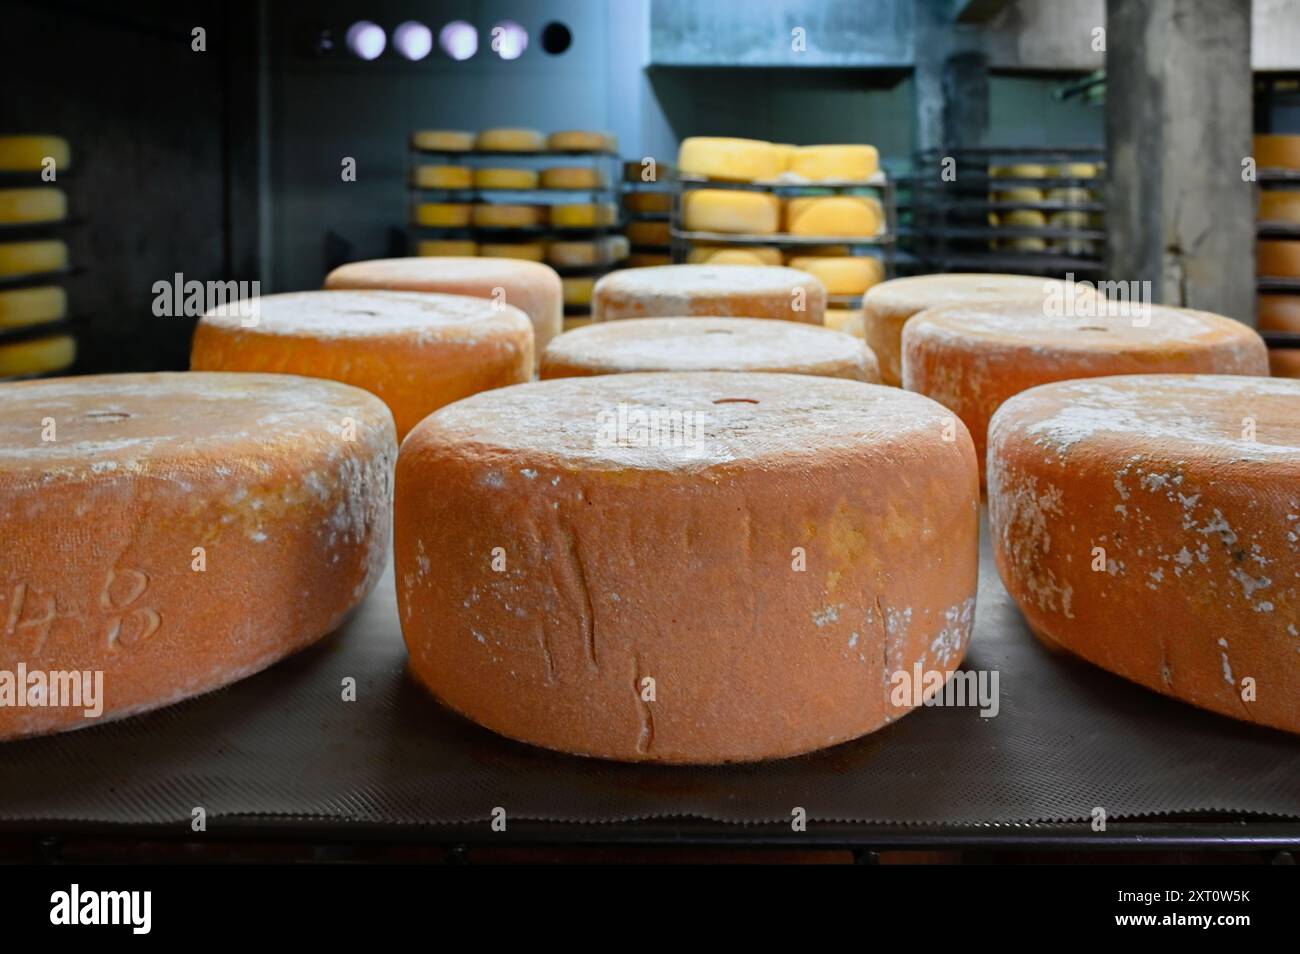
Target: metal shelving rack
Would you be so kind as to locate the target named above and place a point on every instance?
(951, 224)
(1273, 91)
(662, 184)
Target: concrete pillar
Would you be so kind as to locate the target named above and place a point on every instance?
(1178, 124)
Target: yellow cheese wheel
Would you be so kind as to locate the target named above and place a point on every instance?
(972, 357)
(1077, 170)
(843, 276)
(1072, 195)
(1280, 206)
(578, 290)
(648, 203)
(39, 356)
(602, 251)
(505, 178)
(625, 573)
(21, 258)
(183, 531)
(32, 306)
(572, 178)
(1026, 244)
(1276, 151)
(834, 216)
(1279, 259)
(648, 259)
(416, 352)
(459, 247)
(785, 152)
(583, 215)
(1027, 170)
(649, 233)
(578, 140)
(735, 255)
(846, 320)
(528, 286)
(1023, 219)
(510, 140)
(735, 160)
(1139, 526)
(442, 214)
(524, 251)
(442, 140)
(835, 163)
(1022, 194)
(443, 177)
(724, 291)
(508, 216)
(29, 153)
(731, 210)
(708, 344)
(21, 206)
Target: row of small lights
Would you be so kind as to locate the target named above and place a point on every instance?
(414, 41)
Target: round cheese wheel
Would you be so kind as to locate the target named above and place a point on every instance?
(37, 356)
(848, 321)
(648, 260)
(578, 140)
(603, 251)
(734, 160)
(708, 344)
(1026, 244)
(971, 358)
(887, 307)
(458, 247)
(835, 163)
(529, 286)
(834, 215)
(443, 215)
(21, 258)
(1150, 524)
(1280, 205)
(1278, 259)
(22, 206)
(32, 306)
(583, 215)
(415, 351)
(735, 255)
(29, 153)
(505, 216)
(442, 140)
(648, 203)
(730, 291)
(572, 178)
(1077, 170)
(731, 210)
(1277, 151)
(182, 531)
(649, 233)
(1024, 219)
(443, 177)
(578, 290)
(510, 140)
(1072, 194)
(851, 275)
(1023, 194)
(1281, 313)
(636, 522)
(1026, 170)
(516, 179)
(525, 251)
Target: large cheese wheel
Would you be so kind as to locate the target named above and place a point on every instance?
(1150, 525)
(835, 163)
(443, 215)
(510, 140)
(24, 206)
(735, 255)
(1277, 151)
(724, 291)
(415, 351)
(887, 307)
(442, 140)
(44, 255)
(851, 275)
(708, 344)
(1278, 259)
(971, 358)
(37, 356)
(182, 531)
(1280, 205)
(29, 153)
(443, 177)
(648, 203)
(572, 178)
(649, 233)
(735, 160)
(580, 140)
(507, 216)
(557, 546)
(32, 306)
(834, 215)
(583, 215)
(731, 210)
(585, 254)
(516, 179)
(531, 287)
(459, 247)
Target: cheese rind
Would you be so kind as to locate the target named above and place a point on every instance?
(731, 210)
(649, 233)
(627, 540)
(648, 203)
(572, 178)
(443, 177)
(1140, 526)
(708, 344)
(836, 215)
(505, 216)
(455, 247)
(972, 358)
(734, 160)
(37, 356)
(1277, 151)
(442, 140)
(417, 352)
(32, 306)
(735, 255)
(848, 163)
(583, 215)
(29, 153)
(724, 291)
(603, 251)
(1278, 259)
(581, 140)
(1281, 205)
(505, 179)
(510, 140)
(524, 251)
(529, 286)
(851, 275)
(23, 206)
(443, 215)
(251, 477)
(45, 255)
